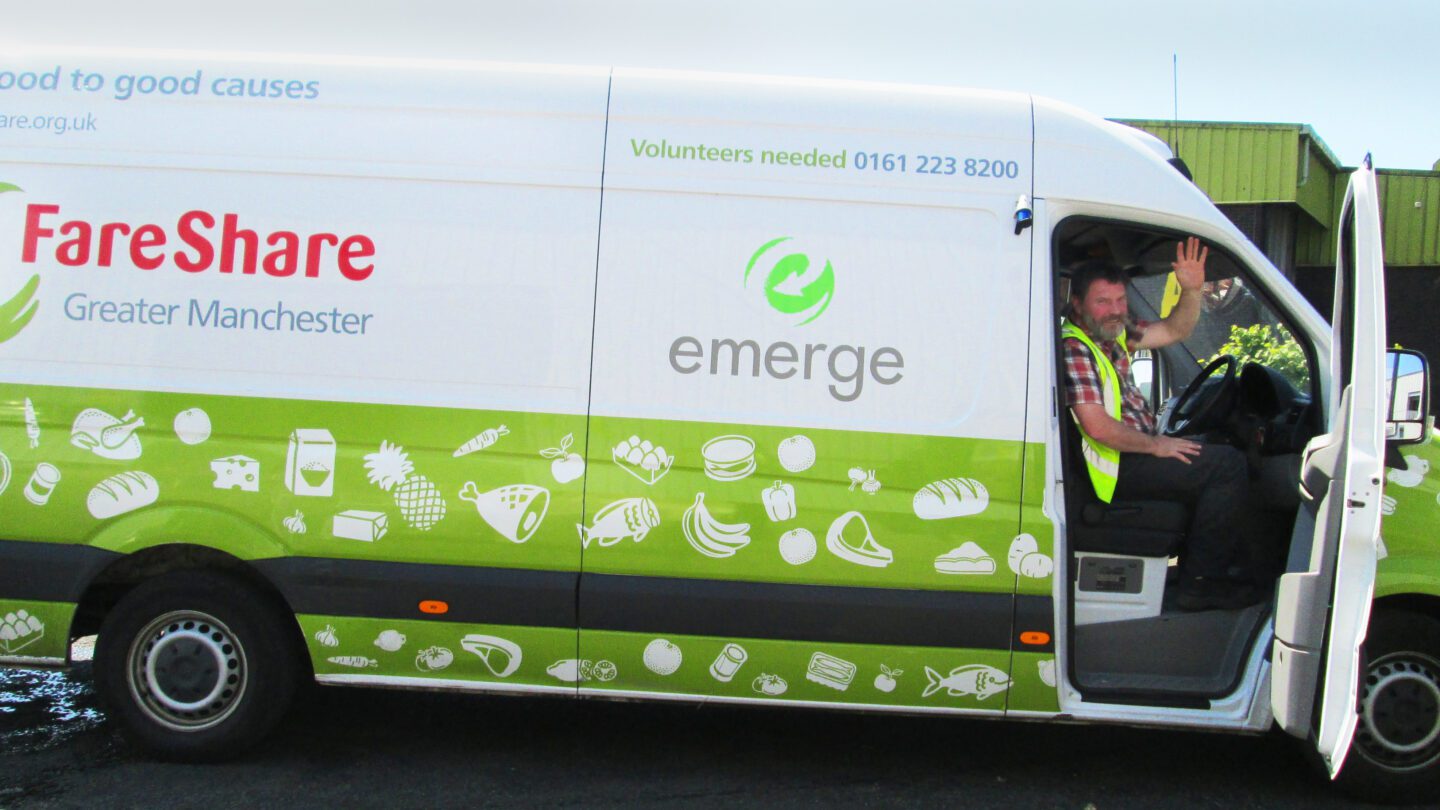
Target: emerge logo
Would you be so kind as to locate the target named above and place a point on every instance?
(793, 285)
(800, 289)
(16, 313)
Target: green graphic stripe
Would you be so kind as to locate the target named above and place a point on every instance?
(757, 669)
(31, 629)
(128, 481)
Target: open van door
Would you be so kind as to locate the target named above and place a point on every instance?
(1323, 606)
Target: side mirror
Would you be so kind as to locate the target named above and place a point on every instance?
(1142, 368)
(1407, 383)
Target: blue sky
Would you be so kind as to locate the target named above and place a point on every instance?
(1362, 74)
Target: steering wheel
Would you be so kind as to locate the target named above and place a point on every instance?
(1197, 408)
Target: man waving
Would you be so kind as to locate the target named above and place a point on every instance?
(1126, 457)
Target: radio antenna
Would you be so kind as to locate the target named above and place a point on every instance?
(1175, 99)
(1176, 160)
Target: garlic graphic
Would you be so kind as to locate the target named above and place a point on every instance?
(327, 637)
(295, 524)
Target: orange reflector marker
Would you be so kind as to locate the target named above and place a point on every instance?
(434, 606)
(1035, 637)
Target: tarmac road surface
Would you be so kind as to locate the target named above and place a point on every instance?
(349, 748)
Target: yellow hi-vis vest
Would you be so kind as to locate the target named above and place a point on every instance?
(1103, 462)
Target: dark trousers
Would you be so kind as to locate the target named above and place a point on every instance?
(1215, 484)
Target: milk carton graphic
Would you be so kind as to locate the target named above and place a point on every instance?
(310, 462)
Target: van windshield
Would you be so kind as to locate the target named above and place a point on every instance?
(1233, 321)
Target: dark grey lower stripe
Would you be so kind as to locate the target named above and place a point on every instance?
(1034, 614)
(49, 572)
(909, 618)
(56, 572)
(387, 590)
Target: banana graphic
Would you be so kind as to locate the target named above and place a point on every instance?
(709, 536)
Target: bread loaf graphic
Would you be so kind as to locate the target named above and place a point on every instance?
(122, 493)
(950, 497)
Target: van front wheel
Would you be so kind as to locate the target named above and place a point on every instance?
(1395, 756)
(196, 666)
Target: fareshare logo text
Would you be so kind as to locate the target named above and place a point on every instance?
(17, 312)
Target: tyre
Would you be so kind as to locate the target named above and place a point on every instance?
(1395, 756)
(197, 666)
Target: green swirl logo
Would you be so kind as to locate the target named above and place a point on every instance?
(793, 284)
(16, 313)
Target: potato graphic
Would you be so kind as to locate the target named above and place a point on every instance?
(1019, 547)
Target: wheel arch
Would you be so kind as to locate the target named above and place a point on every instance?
(1423, 604)
(111, 585)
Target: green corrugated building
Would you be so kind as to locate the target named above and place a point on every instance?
(1283, 187)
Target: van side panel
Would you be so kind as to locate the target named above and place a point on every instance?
(344, 337)
(1411, 564)
(808, 394)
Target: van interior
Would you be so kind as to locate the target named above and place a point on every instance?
(1242, 378)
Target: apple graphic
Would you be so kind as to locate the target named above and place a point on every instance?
(885, 681)
(661, 657)
(192, 425)
(565, 465)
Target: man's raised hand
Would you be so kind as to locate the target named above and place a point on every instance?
(1189, 264)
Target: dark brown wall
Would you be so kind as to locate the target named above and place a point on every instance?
(1412, 309)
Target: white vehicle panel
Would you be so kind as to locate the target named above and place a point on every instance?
(926, 269)
(478, 190)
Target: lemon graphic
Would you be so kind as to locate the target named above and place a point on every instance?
(794, 284)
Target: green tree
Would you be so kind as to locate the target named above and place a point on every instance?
(1270, 346)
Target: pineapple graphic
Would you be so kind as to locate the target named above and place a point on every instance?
(418, 500)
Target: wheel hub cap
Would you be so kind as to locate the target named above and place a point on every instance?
(187, 671)
(1400, 712)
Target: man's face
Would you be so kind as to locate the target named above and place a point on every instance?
(1102, 311)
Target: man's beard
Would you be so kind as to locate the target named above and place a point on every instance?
(1107, 330)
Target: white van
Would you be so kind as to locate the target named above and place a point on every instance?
(632, 384)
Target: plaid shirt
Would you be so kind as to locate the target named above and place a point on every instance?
(1082, 381)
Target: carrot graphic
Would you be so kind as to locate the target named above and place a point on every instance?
(483, 440)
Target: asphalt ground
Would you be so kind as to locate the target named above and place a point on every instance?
(349, 748)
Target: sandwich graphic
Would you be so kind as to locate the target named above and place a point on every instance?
(967, 558)
(728, 458)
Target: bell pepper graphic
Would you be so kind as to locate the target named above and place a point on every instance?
(779, 500)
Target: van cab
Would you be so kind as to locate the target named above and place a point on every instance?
(648, 385)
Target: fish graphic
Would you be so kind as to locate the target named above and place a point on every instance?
(630, 517)
(975, 679)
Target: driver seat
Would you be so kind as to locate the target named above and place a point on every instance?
(1121, 549)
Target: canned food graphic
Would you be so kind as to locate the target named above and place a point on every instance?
(728, 662)
(42, 483)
